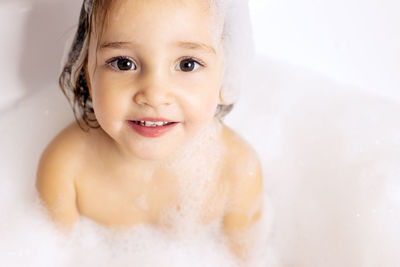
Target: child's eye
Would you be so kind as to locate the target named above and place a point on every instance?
(188, 65)
(122, 64)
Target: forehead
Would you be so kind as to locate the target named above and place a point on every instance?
(158, 19)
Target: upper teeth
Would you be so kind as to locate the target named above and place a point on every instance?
(152, 123)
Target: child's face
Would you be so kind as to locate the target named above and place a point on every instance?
(157, 61)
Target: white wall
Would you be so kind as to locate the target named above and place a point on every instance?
(356, 42)
(32, 38)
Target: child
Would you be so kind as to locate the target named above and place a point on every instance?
(146, 80)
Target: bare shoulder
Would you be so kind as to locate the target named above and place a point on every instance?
(241, 158)
(57, 169)
(243, 169)
(65, 151)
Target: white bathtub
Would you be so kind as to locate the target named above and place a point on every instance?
(330, 156)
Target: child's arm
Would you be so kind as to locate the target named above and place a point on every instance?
(55, 180)
(245, 206)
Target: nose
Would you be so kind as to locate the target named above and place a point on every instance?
(154, 90)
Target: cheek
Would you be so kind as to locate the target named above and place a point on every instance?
(202, 101)
(201, 106)
(107, 103)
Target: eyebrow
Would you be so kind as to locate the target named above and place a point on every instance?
(186, 45)
(197, 46)
(115, 45)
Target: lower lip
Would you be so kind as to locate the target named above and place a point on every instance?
(151, 132)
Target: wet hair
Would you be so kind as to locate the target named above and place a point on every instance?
(238, 49)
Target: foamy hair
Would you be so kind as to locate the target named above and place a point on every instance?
(238, 46)
(233, 20)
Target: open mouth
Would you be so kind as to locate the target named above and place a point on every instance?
(153, 123)
(152, 128)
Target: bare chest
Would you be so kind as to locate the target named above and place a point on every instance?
(124, 199)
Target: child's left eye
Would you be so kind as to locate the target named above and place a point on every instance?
(188, 65)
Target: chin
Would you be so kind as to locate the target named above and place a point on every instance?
(153, 153)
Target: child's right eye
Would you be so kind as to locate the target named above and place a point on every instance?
(122, 64)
